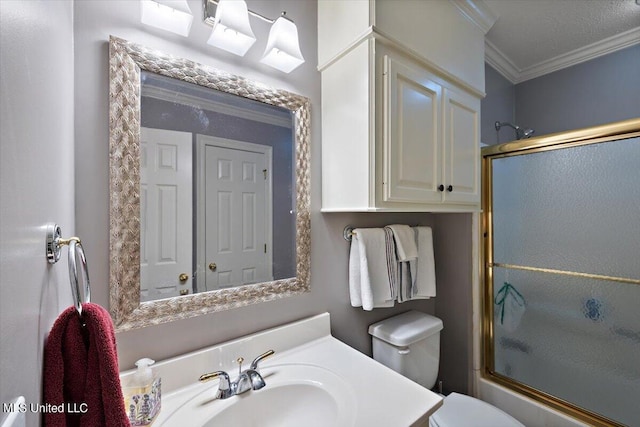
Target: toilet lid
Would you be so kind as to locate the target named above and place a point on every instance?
(459, 410)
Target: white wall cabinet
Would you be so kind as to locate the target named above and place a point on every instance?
(412, 134)
(462, 148)
(399, 132)
(397, 136)
(430, 138)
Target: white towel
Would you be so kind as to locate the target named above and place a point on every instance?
(407, 253)
(392, 263)
(354, 274)
(369, 285)
(425, 283)
(405, 238)
(405, 282)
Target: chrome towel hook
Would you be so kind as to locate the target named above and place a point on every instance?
(54, 244)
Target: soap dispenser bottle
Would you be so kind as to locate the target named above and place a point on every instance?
(142, 394)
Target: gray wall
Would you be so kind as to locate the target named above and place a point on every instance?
(498, 105)
(329, 252)
(36, 172)
(454, 270)
(599, 91)
(603, 90)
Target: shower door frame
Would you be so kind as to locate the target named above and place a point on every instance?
(586, 136)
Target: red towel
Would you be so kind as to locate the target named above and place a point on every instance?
(81, 371)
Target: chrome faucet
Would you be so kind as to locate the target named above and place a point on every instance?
(249, 379)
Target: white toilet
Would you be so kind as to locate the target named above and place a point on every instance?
(410, 344)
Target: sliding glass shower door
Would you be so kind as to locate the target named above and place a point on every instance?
(562, 302)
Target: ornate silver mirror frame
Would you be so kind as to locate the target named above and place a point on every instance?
(126, 60)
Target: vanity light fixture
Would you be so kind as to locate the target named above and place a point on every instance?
(232, 32)
(169, 15)
(283, 50)
(231, 28)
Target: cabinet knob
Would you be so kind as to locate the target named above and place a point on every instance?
(183, 277)
(213, 266)
(440, 187)
(450, 188)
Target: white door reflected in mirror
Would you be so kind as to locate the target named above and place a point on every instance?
(234, 189)
(165, 212)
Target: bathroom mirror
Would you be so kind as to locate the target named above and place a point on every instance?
(209, 189)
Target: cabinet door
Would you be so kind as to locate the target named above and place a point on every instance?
(461, 148)
(411, 131)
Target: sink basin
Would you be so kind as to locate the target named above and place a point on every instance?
(312, 379)
(295, 395)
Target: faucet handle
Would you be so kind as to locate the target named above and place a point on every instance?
(254, 364)
(224, 387)
(208, 377)
(224, 378)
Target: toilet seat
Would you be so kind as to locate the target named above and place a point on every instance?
(459, 410)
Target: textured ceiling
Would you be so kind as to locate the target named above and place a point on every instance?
(530, 32)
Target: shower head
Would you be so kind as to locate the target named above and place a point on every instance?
(520, 133)
(526, 133)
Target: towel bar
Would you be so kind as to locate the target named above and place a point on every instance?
(348, 233)
(54, 245)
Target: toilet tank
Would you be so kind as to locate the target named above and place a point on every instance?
(409, 343)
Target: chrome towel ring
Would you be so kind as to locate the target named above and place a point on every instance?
(55, 242)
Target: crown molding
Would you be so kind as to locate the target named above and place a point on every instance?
(477, 12)
(503, 65)
(592, 51)
(500, 62)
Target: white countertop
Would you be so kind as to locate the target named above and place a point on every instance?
(378, 396)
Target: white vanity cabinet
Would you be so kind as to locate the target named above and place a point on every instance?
(399, 132)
